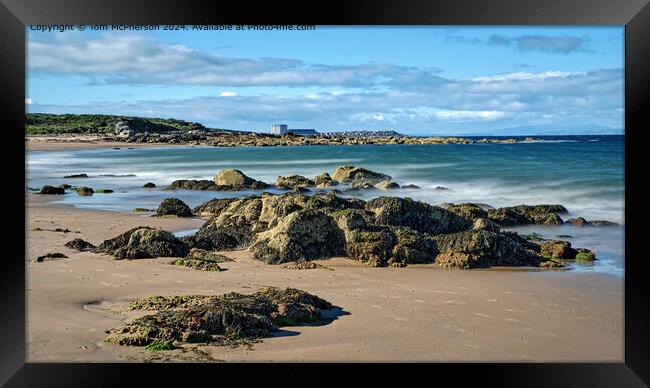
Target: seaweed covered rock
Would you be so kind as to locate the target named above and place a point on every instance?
(324, 180)
(84, 191)
(173, 207)
(144, 242)
(412, 248)
(468, 210)
(527, 214)
(293, 181)
(481, 248)
(416, 215)
(236, 179)
(222, 319)
(79, 244)
(233, 228)
(192, 184)
(585, 255)
(485, 224)
(202, 260)
(51, 190)
(558, 249)
(304, 234)
(50, 256)
(149, 185)
(354, 174)
(213, 207)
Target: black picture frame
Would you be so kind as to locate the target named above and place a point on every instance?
(635, 15)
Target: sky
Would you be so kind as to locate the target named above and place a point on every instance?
(433, 80)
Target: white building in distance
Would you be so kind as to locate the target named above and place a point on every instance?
(279, 129)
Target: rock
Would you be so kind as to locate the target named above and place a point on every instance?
(144, 242)
(525, 214)
(300, 190)
(372, 245)
(141, 209)
(173, 207)
(228, 319)
(51, 190)
(104, 191)
(551, 264)
(233, 228)
(304, 234)
(481, 248)
(485, 224)
(302, 264)
(602, 223)
(324, 180)
(416, 215)
(362, 185)
(440, 188)
(199, 264)
(84, 191)
(202, 254)
(468, 210)
(386, 185)
(558, 249)
(149, 185)
(65, 186)
(577, 221)
(79, 244)
(351, 174)
(585, 255)
(293, 181)
(411, 187)
(213, 207)
(47, 256)
(412, 248)
(76, 176)
(190, 184)
(236, 179)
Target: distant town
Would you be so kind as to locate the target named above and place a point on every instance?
(282, 129)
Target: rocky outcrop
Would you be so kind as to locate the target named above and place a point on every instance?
(527, 214)
(293, 181)
(144, 242)
(579, 221)
(324, 180)
(386, 185)
(149, 185)
(482, 248)
(173, 207)
(358, 175)
(303, 234)
(202, 260)
(213, 207)
(419, 216)
(51, 190)
(76, 176)
(558, 249)
(468, 210)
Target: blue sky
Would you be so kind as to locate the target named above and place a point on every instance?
(416, 80)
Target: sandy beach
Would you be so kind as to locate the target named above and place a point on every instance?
(80, 142)
(417, 313)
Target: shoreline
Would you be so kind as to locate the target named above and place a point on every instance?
(417, 313)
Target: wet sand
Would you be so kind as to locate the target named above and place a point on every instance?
(417, 313)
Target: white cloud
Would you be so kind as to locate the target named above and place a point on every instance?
(227, 94)
(472, 115)
(28, 101)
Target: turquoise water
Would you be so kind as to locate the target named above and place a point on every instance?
(586, 174)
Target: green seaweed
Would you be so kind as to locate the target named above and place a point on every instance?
(157, 346)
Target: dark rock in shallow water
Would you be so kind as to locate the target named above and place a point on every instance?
(411, 187)
(76, 176)
(416, 215)
(301, 190)
(47, 256)
(324, 180)
(237, 180)
(387, 185)
(149, 185)
(213, 207)
(84, 191)
(304, 234)
(173, 207)
(602, 223)
(228, 319)
(579, 221)
(79, 244)
(144, 242)
(440, 188)
(51, 190)
(104, 191)
(65, 186)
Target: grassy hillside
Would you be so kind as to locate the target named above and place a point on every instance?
(50, 124)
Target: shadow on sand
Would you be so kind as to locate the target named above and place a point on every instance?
(327, 317)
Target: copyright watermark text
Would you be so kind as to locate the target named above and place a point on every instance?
(171, 27)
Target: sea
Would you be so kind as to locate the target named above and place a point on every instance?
(586, 174)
